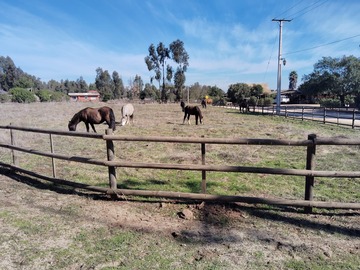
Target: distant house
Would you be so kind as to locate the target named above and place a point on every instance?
(91, 95)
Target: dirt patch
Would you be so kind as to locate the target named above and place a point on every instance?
(241, 236)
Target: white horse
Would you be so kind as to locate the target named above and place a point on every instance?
(127, 112)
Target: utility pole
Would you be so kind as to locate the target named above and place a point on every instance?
(278, 91)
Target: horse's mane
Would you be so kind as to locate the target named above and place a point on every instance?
(75, 118)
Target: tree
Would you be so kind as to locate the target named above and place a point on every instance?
(104, 84)
(181, 57)
(238, 92)
(118, 90)
(256, 90)
(82, 86)
(293, 80)
(338, 77)
(137, 86)
(156, 61)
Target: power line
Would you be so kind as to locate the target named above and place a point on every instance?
(315, 47)
(309, 9)
(289, 9)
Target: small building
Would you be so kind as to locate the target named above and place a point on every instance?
(91, 95)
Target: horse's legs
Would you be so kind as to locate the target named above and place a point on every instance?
(87, 126)
(93, 127)
(132, 119)
(196, 119)
(184, 118)
(188, 118)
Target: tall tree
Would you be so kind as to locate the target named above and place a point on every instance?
(293, 77)
(137, 86)
(104, 84)
(118, 85)
(181, 57)
(156, 61)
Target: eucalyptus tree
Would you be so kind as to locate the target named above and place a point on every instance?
(181, 57)
(157, 61)
(118, 86)
(104, 84)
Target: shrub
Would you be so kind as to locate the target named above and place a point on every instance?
(330, 102)
(22, 95)
(58, 96)
(4, 98)
(44, 95)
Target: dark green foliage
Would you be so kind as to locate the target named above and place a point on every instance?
(44, 95)
(22, 95)
(335, 77)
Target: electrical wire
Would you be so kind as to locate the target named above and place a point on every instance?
(315, 47)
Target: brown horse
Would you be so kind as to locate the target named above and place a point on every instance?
(244, 105)
(191, 110)
(203, 103)
(93, 116)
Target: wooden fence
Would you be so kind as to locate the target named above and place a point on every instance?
(309, 172)
(340, 116)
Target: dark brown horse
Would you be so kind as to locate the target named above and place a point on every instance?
(244, 105)
(93, 116)
(191, 110)
(203, 103)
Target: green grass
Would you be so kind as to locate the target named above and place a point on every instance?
(118, 249)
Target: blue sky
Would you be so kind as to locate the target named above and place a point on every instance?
(228, 41)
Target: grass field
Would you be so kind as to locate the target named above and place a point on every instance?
(242, 243)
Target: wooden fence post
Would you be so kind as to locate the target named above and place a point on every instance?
(203, 173)
(324, 120)
(310, 165)
(13, 153)
(110, 157)
(353, 119)
(302, 113)
(52, 159)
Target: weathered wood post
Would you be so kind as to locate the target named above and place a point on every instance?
(110, 157)
(203, 173)
(302, 113)
(353, 119)
(52, 159)
(310, 165)
(13, 153)
(324, 119)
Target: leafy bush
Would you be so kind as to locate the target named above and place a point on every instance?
(252, 101)
(4, 98)
(44, 95)
(265, 102)
(22, 95)
(58, 96)
(330, 102)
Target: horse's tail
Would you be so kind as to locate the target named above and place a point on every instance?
(112, 119)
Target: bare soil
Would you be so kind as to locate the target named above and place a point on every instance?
(243, 236)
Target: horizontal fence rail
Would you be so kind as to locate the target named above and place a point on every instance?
(309, 172)
(339, 116)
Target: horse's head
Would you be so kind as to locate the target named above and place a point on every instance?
(182, 104)
(72, 127)
(123, 121)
